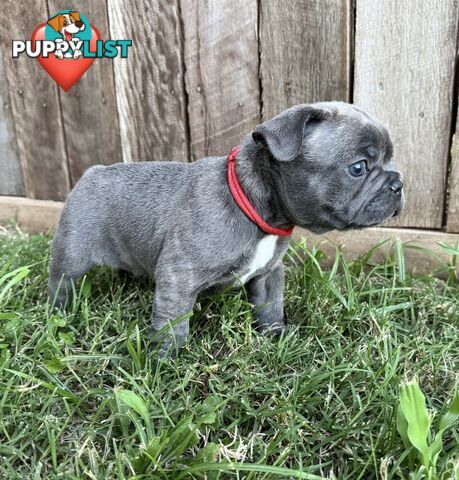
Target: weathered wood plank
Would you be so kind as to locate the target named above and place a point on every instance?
(221, 60)
(452, 219)
(10, 169)
(150, 83)
(404, 74)
(35, 107)
(89, 108)
(305, 52)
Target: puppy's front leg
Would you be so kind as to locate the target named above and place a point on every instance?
(172, 308)
(266, 293)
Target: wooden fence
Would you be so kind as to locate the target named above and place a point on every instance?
(201, 74)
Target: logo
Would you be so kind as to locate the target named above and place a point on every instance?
(67, 45)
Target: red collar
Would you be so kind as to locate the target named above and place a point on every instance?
(244, 203)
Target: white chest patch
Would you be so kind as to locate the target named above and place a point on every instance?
(263, 254)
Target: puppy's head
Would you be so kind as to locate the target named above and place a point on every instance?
(333, 164)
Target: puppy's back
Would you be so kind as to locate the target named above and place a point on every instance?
(120, 208)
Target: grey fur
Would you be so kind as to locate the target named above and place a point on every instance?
(179, 224)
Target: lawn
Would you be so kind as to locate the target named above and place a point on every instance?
(82, 395)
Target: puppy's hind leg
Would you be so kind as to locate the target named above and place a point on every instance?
(64, 270)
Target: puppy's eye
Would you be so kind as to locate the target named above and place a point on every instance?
(358, 169)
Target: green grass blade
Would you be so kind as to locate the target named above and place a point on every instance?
(8, 275)
(400, 261)
(452, 414)
(446, 421)
(38, 381)
(282, 472)
(17, 275)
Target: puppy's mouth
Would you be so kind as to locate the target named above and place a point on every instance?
(373, 223)
(68, 36)
(397, 212)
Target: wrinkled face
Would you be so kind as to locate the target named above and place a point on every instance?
(342, 176)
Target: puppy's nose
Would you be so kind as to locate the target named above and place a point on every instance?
(396, 186)
(79, 24)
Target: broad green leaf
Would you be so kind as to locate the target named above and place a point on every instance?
(54, 365)
(150, 455)
(207, 454)
(56, 321)
(183, 436)
(208, 409)
(207, 419)
(402, 427)
(132, 400)
(156, 445)
(67, 337)
(12, 326)
(413, 405)
(156, 448)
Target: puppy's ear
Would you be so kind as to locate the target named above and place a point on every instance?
(56, 23)
(283, 135)
(75, 16)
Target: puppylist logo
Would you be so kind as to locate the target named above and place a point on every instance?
(67, 45)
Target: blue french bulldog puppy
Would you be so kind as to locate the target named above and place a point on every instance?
(218, 221)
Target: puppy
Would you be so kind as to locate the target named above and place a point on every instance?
(67, 24)
(220, 221)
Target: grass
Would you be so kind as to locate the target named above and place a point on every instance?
(82, 395)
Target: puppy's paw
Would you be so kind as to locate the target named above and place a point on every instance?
(275, 328)
(59, 54)
(77, 54)
(169, 349)
(61, 301)
(168, 346)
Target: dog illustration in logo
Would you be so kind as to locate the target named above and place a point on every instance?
(67, 25)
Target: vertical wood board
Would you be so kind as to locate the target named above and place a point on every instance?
(89, 108)
(404, 73)
(221, 59)
(150, 83)
(35, 107)
(305, 51)
(11, 182)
